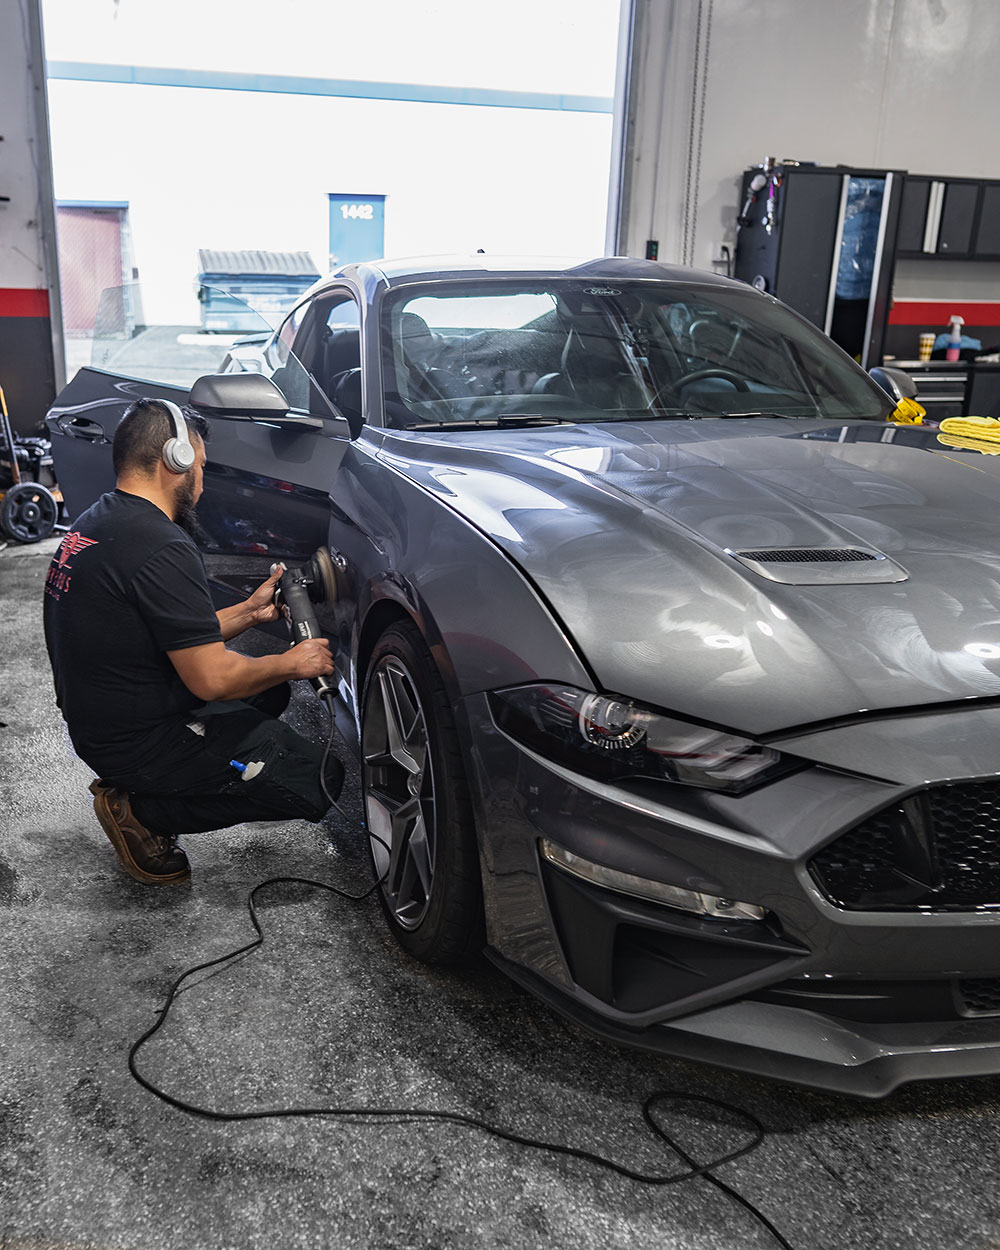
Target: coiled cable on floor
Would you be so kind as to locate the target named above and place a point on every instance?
(412, 1114)
(398, 1114)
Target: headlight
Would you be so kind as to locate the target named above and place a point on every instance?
(614, 738)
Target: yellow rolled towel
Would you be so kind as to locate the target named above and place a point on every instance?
(907, 412)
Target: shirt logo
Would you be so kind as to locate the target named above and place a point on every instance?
(58, 578)
(71, 545)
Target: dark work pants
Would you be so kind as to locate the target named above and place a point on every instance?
(198, 788)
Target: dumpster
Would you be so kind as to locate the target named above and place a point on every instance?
(268, 282)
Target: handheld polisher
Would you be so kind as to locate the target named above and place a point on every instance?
(298, 589)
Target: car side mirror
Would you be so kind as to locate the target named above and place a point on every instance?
(896, 383)
(238, 395)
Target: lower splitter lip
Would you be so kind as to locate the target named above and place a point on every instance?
(795, 1046)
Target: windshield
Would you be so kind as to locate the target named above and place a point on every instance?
(591, 351)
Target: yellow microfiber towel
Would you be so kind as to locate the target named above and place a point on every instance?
(982, 429)
(971, 444)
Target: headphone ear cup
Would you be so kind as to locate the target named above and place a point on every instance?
(178, 456)
(177, 453)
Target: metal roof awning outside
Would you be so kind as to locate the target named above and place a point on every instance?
(258, 264)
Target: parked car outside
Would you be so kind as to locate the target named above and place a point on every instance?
(672, 661)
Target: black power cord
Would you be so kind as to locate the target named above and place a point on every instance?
(410, 1114)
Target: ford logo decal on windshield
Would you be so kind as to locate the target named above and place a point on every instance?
(600, 290)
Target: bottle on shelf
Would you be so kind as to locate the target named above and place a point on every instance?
(954, 349)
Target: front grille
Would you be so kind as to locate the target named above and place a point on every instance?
(939, 849)
(980, 997)
(808, 555)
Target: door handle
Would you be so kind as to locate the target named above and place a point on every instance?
(82, 427)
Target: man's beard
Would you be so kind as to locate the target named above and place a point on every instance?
(185, 515)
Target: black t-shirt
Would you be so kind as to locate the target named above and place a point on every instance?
(126, 586)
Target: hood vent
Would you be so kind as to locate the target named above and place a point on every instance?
(808, 555)
(821, 566)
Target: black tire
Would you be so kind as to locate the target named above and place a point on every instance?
(417, 800)
(28, 512)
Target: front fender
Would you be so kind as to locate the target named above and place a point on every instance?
(484, 621)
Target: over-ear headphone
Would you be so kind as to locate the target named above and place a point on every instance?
(178, 452)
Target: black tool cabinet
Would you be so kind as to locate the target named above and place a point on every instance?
(792, 240)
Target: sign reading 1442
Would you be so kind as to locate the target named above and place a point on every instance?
(357, 227)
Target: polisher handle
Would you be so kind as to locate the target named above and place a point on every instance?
(293, 593)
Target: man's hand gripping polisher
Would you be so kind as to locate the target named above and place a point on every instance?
(297, 590)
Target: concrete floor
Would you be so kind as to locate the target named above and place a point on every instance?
(330, 1012)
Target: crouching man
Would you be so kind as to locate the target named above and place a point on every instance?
(182, 732)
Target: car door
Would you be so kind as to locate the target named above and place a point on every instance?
(268, 482)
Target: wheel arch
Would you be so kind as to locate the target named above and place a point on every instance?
(382, 614)
(385, 612)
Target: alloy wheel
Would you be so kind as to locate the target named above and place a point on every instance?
(399, 792)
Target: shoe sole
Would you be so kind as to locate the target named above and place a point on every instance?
(108, 823)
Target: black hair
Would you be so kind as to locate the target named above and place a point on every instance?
(144, 428)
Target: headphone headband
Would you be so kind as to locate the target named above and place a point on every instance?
(178, 452)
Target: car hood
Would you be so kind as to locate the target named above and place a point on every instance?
(630, 530)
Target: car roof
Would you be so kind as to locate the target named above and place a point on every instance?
(429, 268)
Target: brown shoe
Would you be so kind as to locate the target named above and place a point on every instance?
(148, 857)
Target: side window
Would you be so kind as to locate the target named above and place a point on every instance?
(331, 354)
(316, 356)
(287, 374)
(281, 344)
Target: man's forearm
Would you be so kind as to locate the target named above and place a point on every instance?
(243, 676)
(237, 619)
(214, 673)
(221, 675)
(257, 609)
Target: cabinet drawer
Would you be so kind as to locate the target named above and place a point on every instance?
(942, 394)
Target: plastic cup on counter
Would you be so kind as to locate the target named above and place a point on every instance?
(926, 345)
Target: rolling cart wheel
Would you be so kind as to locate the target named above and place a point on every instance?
(28, 512)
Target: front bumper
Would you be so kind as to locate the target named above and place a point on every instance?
(722, 991)
(796, 1046)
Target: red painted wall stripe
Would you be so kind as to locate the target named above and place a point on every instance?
(18, 302)
(934, 314)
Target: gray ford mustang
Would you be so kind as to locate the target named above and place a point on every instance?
(671, 658)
